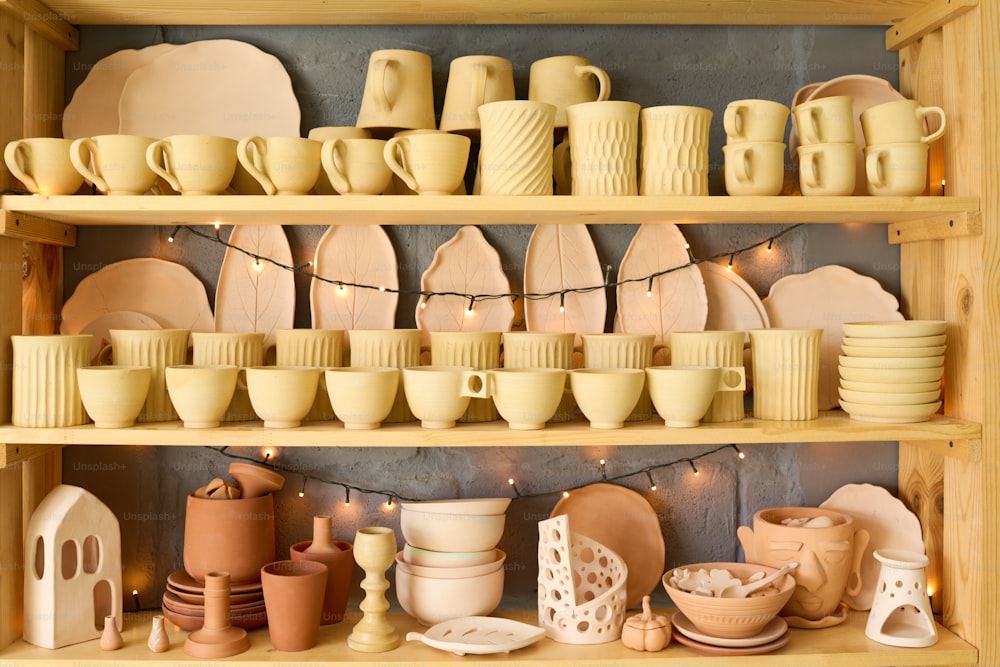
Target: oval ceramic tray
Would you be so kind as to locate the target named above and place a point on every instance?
(479, 635)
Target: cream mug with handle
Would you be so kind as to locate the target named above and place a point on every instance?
(114, 163)
(567, 80)
(398, 93)
(900, 122)
(472, 82)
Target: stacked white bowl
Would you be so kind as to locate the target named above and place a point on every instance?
(449, 566)
(891, 372)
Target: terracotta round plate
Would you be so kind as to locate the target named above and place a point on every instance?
(623, 521)
(708, 649)
(198, 608)
(181, 580)
(772, 631)
(199, 598)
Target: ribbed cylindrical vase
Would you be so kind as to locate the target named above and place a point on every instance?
(674, 155)
(603, 146)
(785, 373)
(45, 390)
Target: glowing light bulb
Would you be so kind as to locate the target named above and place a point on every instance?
(258, 265)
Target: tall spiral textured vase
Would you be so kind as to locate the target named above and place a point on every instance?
(785, 373)
(603, 146)
(45, 390)
(674, 155)
(516, 152)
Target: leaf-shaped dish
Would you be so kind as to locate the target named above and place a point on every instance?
(251, 296)
(360, 254)
(479, 635)
(564, 257)
(466, 264)
(678, 301)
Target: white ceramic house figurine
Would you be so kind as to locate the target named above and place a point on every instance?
(73, 569)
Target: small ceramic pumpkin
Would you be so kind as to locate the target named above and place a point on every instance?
(646, 631)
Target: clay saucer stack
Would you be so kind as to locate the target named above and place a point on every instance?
(890, 372)
(184, 603)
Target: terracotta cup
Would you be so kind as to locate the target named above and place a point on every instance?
(338, 556)
(113, 395)
(901, 121)
(395, 348)
(526, 397)
(604, 144)
(356, 166)
(674, 154)
(479, 350)
(622, 350)
(398, 93)
(563, 81)
(429, 164)
(282, 395)
(327, 133)
(439, 395)
(896, 169)
(293, 595)
(515, 156)
(682, 394)
(157, 349)
(607, 396)
(542, 349)
(472, 82)
(827, 169)
(114, 163)
(362, 396)
(829, 557)
(323, 348)
(229, 535)
(282, 165)
(712, 348)
(825, 120)
(45, 392)
(755, 120)
(194, 164)
(231, 349)
(43, 165)
(785, 373)
(201, 394)
(754, 168)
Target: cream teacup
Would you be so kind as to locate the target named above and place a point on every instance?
(674, 154)
(194, 164)
(526, 397)
(323, 348)
(157, 349)
(395, 348)
(432, 163)
(603, 148)
(825, 120)
(755, 167)
(899, 122)
(43, 165)
(713, 348)
(362, 396)
(45, 392)
(327, 133)
(113, 395)
(282, 395)
(755, 120)
(827, 169)
(282, 165)
(439, 395)
(897, 169)
(201, 394)
(622, 350)
(785, 373)
(479, 350)
(606, 396)
(242, 349)
(356, 166)
(682, 394)
(542, 349)
(563, 81)
(472, 82)
(114, 163)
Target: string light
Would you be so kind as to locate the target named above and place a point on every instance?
(388, 503)
(258, 265)
(769, 244)
(739, 453)
(604, 471)
(173, 234)
(565, 494)
(347, 496)
(341, 289)
(302, 491)
(381, 288)
(607, 275)
(514, 486)
(731, 258)
(687, 247)
(649, 289)
(562, 302)
(693, 468)
(268, 453)
(652, 484)
(424, 300)
(135, 598)
(471, 310)
(217, 225)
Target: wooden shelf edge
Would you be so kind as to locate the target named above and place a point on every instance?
(833, 426)
(844, 645)
(400, 210)
(11, 454)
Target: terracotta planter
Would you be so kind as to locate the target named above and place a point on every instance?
(234, 536)
(293, 595)
(339, 559)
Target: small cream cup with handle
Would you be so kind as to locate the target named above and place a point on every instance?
(282, 165)
(901, 121)
(683, 394)
(356, 166)
(43, 165)
(432, 163)
(114, 163)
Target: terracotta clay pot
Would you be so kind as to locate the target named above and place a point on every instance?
(293, 594)
(339, 559)
(229, 535)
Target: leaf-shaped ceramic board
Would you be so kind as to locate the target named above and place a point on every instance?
(360, 254)
(251, 296)
(466, 264)
(825, 298)
(678, 301)
(165, 291)
(563, 257)
(479, 635)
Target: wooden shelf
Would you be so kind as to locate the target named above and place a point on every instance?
(949, 436)
(255, 12)
(478, 210)
(845, 645)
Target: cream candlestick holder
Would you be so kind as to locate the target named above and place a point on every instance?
(374, 552)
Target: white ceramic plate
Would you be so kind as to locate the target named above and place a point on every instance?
(890, 414)
(479, 635)
(904, 375)
(774, 629)
(889, 398)
(891, 363)
(884, 352)
(894, 329)
(914, 341)
(892, 387)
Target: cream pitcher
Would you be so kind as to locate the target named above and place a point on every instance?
(398, 93)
